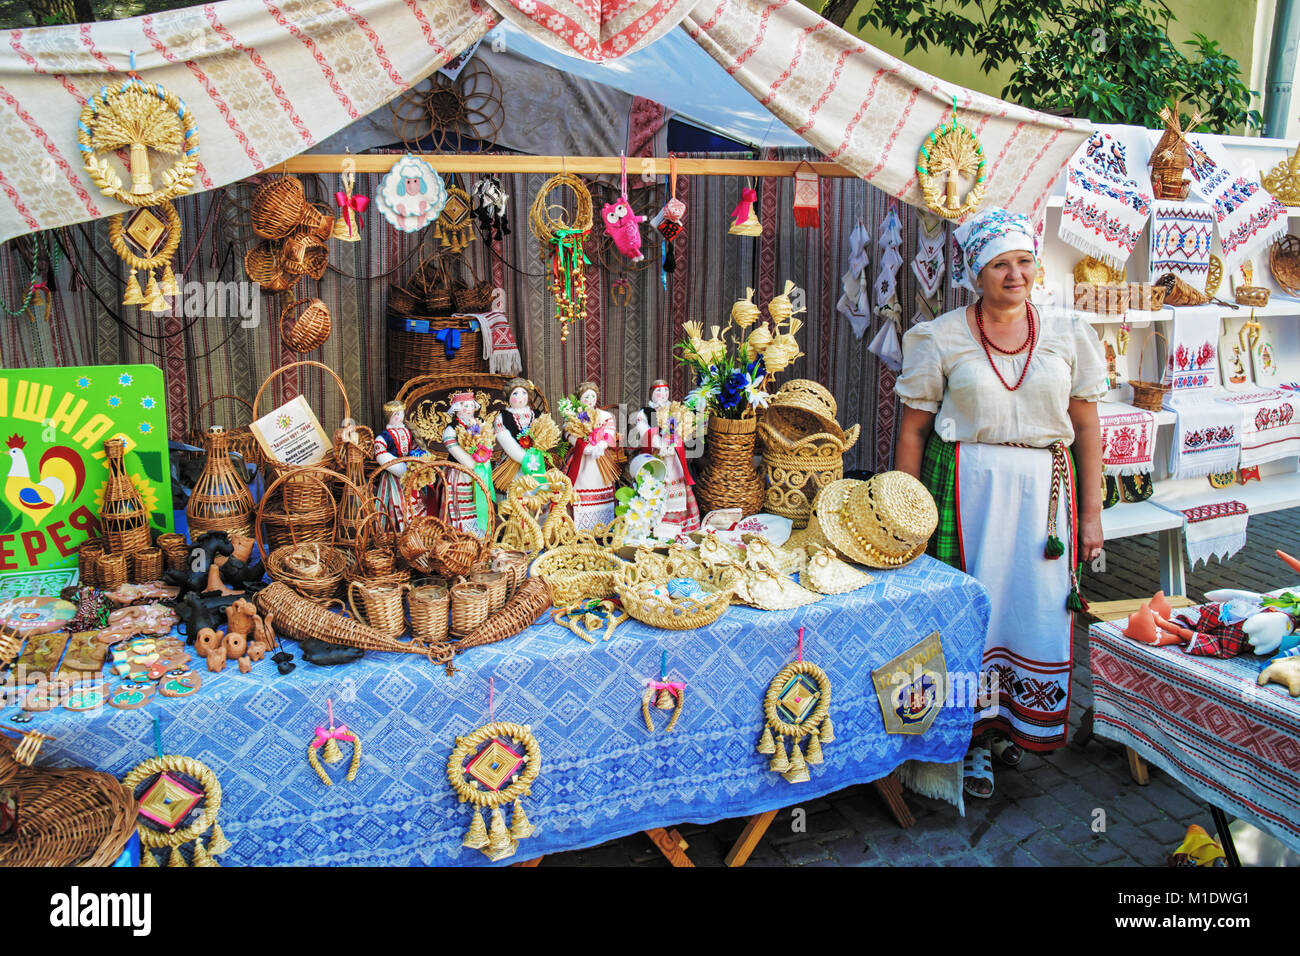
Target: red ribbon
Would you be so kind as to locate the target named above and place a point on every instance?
(357, 204)
(747, 198)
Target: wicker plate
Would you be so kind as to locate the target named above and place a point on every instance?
(673, 614)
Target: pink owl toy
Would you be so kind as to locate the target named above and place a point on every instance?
(621, 223)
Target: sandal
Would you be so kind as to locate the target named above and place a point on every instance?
(977, 773)
(1007, 751)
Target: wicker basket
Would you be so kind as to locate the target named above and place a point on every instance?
(431, 282)
(69, 817)
(302, 254)
(111, 570)
(1284, 263)
(476, 297)
(176, 551)
(728, 478)
(88, 562)
(1148, 396)
(1178, 292)
(577, 573)
(303, 498)
(674, 614)
(122, 516)
(277, 207)
(514, 564)
(1101, 299)
(524, 608)
(427, 543)
(1146, 298)
(383, 607)
(298, 618)
(373, 559)
(420, 353)
(496, 583)
(1252, 295)
(429, 613)
(262, 265)
(306, 330)
(803, 407)
(797, 467)
(470, 608)
(147, 565)
(314, 569)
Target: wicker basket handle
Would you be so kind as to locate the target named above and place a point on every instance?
(196, 420)
(313, 472)
(1142, 355)
(435, 464)
(257, 399)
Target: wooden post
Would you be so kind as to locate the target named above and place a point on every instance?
(755, 827)
(891, 791)
(1137, 768)
(671, 845)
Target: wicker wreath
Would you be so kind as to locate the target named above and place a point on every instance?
(141, 117)
(951, 150)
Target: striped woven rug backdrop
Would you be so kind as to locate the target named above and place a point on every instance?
(624, 345)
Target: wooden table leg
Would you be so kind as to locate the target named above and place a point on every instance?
(671, 845)
(1084, 733)
(755, 827)
(1137, 768)
(891, 791)
(536, 861)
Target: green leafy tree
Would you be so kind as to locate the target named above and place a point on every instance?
(1109, 62)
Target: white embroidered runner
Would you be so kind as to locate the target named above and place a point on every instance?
(1269, 427)
(1181, 236)
(1249, 218)
(1207, 438)
(1217, 530)
(1128, 439)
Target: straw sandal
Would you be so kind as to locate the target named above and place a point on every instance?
(977, 773)
(1005, 750)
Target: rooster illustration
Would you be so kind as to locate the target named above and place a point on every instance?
(61, 477)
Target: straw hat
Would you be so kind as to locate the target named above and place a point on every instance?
(883, 522)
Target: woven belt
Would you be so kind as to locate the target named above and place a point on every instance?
(1055, 547)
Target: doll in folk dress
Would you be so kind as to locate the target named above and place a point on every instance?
(468, 441)
(660, 429)
(397, 441)
(590, 465)
(512, 434)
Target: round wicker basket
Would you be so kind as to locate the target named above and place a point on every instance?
(577, 573)
(306, 330)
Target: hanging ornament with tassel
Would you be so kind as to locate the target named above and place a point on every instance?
(347, 226)
(454, 227)
(177, 799)
(807, 196)
(146, 239)
(744, 222)
(796, 705)
(669, 219)
(665, 695)
(491, 768)
(328, 738)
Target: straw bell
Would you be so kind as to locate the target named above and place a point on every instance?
(798, 770)
(665, 700)
(814, 749)
(175, 859)
(500, 843)
(217, 843)
(169, 284)
(827, 732)
(765, 742)
(202, 857)
(476, 838)
(779, 763)
(520, 826)
(331, 753)
(133, 294)
(147, 858)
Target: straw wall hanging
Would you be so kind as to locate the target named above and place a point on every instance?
(796, 705)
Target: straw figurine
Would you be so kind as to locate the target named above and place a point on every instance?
(347, 227)
(173, 787)
(796, 705)
(328, 738)
(781, 352)
(666, 695)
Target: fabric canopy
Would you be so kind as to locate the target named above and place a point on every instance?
(267, 80)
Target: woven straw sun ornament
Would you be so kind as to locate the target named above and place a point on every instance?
(496, 775)
(1283, 180)
(171, 790)
(950, 154)
(141, 118)
(796, 705)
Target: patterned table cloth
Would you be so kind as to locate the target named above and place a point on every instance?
(603, 776)
(1206, 723)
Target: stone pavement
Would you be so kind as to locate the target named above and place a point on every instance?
(1042, 813)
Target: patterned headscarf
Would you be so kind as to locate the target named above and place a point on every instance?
(984, 238)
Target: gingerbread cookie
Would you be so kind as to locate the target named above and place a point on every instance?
(87, 695)
(41, 655)
(84, 655)
(129, 695)
(181, 682)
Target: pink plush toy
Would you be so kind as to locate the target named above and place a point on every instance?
(624, 227)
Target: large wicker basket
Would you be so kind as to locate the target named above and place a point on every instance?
(301, 496)
(421, 353)
(728, 478)
(68, 817)
(796, 468)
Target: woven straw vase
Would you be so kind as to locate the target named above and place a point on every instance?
(728, 478)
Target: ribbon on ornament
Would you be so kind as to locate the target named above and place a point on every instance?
(450, 339)
(568, 252)
(357, 204)
(484, 470)
(747, 199)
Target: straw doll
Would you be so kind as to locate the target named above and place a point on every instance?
(513, 434)
(468, 440)
(397, 441)
(590, 465)
(660, 430)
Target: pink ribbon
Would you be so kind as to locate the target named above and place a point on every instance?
(675, 687)
(747, 198)
(334, 733)
(357, 204)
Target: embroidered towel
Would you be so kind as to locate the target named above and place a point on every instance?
(1181, 233)
(499, 346)
(1217, 530)
(1105, 209)
(1191, 367)
(1128, 439)
(1269, 427)
(1207, 437)
(1249, 218)
(854, 302)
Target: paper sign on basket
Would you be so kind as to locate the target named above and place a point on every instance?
(292, 434)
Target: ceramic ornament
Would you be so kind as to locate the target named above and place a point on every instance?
(412, 195)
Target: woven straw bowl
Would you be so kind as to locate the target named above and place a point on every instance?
(682, 614)
(884, 522)
(802, 407)
(577, 573)
(1095, 272)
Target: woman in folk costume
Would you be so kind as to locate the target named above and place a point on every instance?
(469, 442)
(658, 434)
(590, 465)
(512, 428)
(1000, 407)
(397, 441)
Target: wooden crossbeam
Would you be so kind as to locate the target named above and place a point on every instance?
(587, 165)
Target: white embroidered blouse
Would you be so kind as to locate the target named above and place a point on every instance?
(945, 371)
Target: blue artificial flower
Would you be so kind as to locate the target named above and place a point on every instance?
(733, 389)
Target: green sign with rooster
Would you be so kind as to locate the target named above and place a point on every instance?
(53, 425)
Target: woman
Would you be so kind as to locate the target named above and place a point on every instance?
(995, 397)
(591, 465)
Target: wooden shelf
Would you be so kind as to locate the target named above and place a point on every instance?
(588, 165)
(1271, 493)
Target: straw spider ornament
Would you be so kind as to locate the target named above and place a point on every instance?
(328, 738)
(796, 705)
(177, 786)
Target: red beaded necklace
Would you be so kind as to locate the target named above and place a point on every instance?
(1028, 344)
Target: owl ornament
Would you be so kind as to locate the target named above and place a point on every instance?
(622, 225)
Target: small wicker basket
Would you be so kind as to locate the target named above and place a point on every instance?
(303, 498)
(470, 607)
(429, 607)
(635, 581)
(277, 207)
(798, 467)
(1102, 299)
(1284, 263)
(88, 562)
(306, 330)
(1146, 298)
(147, 565)
(111, 570)
(514, 564)
(176, 551)
(382, 606)
(262, 265)
(1148, 396)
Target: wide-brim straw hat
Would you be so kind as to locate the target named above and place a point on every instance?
(883, 522)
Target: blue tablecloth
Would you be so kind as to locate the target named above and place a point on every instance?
(602, 776)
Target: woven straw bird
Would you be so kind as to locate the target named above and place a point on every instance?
(141, 121)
